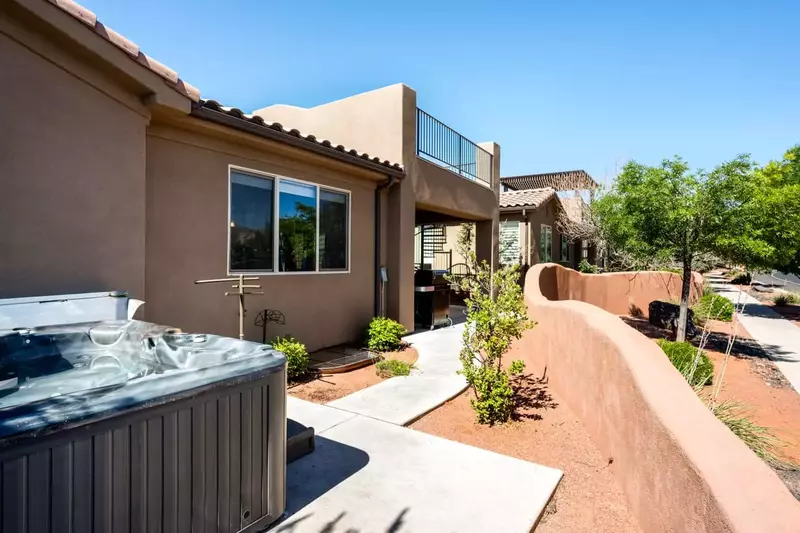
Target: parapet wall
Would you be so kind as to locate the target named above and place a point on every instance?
(679, 467)
(619, 293)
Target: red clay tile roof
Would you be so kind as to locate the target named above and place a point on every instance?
(532, 198)
(130, 48)
(206, 108)
(212, 110)
(568, 180)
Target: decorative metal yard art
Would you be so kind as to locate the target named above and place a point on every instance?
(241, 293)
(268, 316)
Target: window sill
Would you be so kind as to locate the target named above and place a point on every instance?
(301, 273)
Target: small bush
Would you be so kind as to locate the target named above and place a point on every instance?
(786, 298)
(296, 355)
(758, 438)
(387, 368)
(682, 355)
(586, 267)
(713, 306)
(742, 279)
(384, 334)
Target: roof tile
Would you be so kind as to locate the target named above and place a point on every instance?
(213, 105)
(77, 11)
(119, 40)
(88, 18)
(526, 198)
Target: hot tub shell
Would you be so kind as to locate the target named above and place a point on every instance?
(176, 449)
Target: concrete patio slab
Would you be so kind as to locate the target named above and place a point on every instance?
(401, 400)
(372, 476)
(779, 337)
(320, 417)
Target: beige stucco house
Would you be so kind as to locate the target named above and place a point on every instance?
(531, 209)
(116, 174)
(450, 179)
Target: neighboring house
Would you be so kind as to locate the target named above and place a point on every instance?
(528, 230)
(117, 175)
(530, 207)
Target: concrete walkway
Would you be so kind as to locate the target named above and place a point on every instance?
(779, 338)
(403, 399)
(368, 476)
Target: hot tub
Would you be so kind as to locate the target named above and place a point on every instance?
(123, 425)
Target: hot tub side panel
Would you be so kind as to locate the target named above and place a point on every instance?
(211, 463)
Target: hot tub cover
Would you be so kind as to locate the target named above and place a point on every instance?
(56, 376)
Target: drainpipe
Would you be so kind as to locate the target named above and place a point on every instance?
(384, 186)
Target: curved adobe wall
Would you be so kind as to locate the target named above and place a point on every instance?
(619, 293)
(680, 468)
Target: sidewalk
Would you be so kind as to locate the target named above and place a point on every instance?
(367, 475)
(779, 338)
(403, 399)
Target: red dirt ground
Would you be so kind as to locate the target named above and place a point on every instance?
(545, 432)
(752, 379)
(329, 387)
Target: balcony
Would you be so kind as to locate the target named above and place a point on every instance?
(445, 147)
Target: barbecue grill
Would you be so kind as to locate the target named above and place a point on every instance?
(431, 299)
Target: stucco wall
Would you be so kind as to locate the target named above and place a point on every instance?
(72, 174)
(369, 122)
(619, 293)
(442, 191)
(187, 219)
(680, 469)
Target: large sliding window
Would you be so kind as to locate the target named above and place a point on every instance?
(284, 225)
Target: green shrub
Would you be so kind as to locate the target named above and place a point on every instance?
(786, 298)
(296, 355)
(586, 267)
(713, 306)
(496, 316)
(707, 289)
(682, 355)
(387, 368)
(384, 334)
(742, 279)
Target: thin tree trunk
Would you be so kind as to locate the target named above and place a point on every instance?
(686, 290)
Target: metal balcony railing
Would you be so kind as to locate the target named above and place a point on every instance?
(447, 148)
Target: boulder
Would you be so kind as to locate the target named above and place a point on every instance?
(665, 315)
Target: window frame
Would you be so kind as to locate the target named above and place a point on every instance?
(542, 241)
(565, 246)
(277, 178)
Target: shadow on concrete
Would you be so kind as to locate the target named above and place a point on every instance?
(332, 526)
(312, 476)
(531, 397)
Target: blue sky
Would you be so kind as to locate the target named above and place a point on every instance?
(560, 85)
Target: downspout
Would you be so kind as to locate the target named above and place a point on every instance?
(377, 252)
